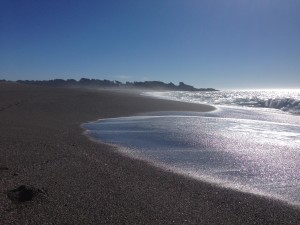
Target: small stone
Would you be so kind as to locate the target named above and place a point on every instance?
(22, 194)
(3, 168)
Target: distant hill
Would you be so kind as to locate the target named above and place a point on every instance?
(95, 83)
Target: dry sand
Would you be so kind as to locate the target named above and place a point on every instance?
(82, 182)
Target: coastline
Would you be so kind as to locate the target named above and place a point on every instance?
(84, 182)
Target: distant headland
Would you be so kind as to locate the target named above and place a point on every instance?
(95, 83)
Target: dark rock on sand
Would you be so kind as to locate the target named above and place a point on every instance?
(22, 193)
(3, 168)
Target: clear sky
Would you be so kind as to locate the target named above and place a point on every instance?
(206, 43)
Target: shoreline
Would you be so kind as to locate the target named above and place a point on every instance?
(240, 188)
(91, 183)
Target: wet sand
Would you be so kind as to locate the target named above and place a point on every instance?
(83, 182)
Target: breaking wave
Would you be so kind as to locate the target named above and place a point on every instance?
(284, 100)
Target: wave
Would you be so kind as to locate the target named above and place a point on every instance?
(284, 100)
(287, 104)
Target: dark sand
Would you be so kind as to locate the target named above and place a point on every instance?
(41, 145)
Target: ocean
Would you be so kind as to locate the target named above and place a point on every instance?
(250, 143)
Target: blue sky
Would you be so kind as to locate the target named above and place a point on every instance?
(206, 43)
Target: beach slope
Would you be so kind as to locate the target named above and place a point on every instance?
(77, 181)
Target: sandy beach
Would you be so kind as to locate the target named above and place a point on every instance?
(83, 182)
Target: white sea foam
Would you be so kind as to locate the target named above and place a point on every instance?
(244, 145)
(245, 149)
